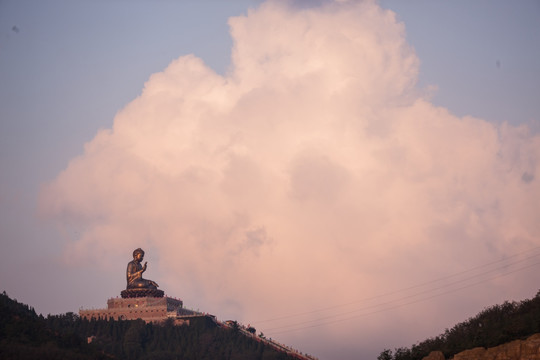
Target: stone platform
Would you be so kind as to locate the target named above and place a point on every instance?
(149, 309)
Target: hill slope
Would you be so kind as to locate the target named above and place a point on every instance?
(493, 326)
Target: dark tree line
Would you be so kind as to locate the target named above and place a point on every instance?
(493, 326)
(26, 335)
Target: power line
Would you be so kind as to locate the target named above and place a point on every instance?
(395, 303)
(385, 309)
(403, 289)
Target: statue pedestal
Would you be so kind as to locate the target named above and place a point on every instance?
(137, 293)
(149, 309)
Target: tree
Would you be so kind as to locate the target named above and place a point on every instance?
(133, 340)
(386, 354)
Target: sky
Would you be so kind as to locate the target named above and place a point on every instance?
(345, 176)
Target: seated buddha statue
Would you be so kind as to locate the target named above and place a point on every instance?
(134, 273)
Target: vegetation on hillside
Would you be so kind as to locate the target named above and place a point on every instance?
(26, 335)
(493, 326)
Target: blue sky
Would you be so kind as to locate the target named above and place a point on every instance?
(68, 67)
(480, 55)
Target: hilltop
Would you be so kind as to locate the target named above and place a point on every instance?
(26, 335)
(493, 326)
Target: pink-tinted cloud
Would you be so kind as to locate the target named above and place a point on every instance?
(313, 174)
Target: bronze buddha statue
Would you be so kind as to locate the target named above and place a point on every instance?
(137, 286)
(134, 273)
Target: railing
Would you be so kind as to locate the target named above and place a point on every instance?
(274, 344)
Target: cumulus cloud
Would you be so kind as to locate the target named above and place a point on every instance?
(312, 174)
